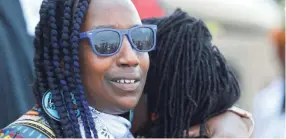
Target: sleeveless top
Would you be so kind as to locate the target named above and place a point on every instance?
(33, 125)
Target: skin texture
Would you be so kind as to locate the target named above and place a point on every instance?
(97, 71)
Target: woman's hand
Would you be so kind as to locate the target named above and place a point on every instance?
(231, 124)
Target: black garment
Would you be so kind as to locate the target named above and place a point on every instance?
(16, 65)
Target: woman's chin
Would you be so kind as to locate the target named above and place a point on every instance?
(128, 102)
(120, 108)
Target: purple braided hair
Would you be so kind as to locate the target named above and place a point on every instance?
(52, 68)
(67, 70)
(88, 121)
(52, 48)
(41, 82)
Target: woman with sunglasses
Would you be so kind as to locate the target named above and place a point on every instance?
(91, 65)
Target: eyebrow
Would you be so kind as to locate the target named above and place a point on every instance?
(111, 26)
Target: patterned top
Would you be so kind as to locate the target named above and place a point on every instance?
(30, 125)
(110, 126)
(33, 125)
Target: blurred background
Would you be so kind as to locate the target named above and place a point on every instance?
(250, 34)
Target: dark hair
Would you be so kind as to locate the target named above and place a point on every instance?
(188, 75)
(194, 81)
(56, 43)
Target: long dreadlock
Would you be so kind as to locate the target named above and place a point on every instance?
(57, 30)
(189, 76)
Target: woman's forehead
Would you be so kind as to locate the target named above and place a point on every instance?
(118, 13)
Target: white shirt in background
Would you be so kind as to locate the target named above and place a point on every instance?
(31, 14)
(267, 111)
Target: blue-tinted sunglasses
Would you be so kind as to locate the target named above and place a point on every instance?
(108, 41)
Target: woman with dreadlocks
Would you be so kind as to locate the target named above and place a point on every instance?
(89, 76)
(190, 76)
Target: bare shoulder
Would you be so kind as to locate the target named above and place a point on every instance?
(30, 125)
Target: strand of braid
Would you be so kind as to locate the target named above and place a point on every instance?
(52, 54)
(79, 94)
(48, 52)
(67, 82)
(87, 119)
(41, 84)
(194, 80)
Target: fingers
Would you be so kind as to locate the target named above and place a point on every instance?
(231, 124)
(194, 131)
(250, 125)
(240, 112)
(246, 117)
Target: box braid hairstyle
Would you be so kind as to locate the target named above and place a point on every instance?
(204, 87)
(57, 65)
(190, 75)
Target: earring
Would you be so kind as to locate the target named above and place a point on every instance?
(50, 108)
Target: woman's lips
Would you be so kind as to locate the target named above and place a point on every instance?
(126, 84)
(127, 81)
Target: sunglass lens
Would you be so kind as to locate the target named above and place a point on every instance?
(106, 42)
(143, 38)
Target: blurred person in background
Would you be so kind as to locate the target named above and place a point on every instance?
(269, 104)
(16, 53)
